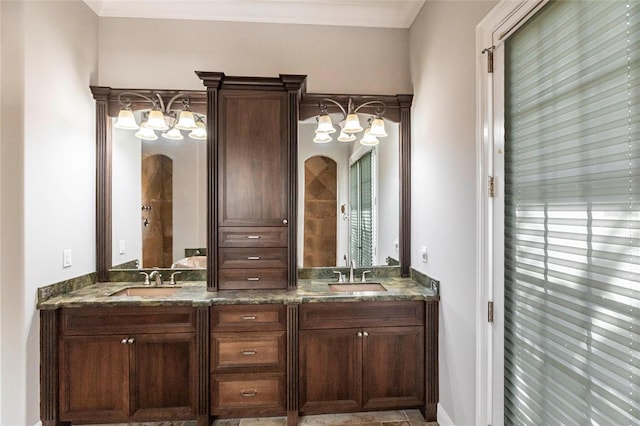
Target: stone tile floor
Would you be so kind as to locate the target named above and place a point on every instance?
(378, 418)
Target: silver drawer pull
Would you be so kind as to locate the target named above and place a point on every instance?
(248, 317)
(253, 258)
(253, 279)
(249, 353)
(253, 237)
(248, 394)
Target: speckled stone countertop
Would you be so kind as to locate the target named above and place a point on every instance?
(194, 293)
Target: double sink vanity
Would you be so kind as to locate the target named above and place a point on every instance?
(258, 336)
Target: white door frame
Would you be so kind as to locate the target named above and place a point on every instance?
(491, 32)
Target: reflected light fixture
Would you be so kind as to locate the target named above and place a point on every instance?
(350, 123)
(170, 121)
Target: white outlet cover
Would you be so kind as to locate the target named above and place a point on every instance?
(67, 259)
(121, 246)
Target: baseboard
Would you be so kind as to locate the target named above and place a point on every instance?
(443, 417)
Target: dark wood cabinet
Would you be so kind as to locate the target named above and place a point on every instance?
(248, 360)
(252, 154)
(139, 365)
(367, 367)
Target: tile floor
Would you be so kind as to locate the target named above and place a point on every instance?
(378, 418)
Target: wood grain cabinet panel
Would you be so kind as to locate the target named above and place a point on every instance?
(258, 236)
(367, 366)
(238, 279)
(249, 395)
(255, 351)
(147, 372)
(252, 258)
(248, 317)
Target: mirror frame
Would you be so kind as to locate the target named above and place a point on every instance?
(398, 110)
(107, 106)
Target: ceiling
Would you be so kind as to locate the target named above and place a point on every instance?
(358, 13)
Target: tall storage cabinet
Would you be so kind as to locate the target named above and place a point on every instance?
(252, 153)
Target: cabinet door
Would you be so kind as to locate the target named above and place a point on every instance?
(330, 371)
(94, 379)
(393, 367)
(164, 376)
(253, 158)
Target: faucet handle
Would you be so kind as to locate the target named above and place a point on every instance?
(173, 280)
(340, 276)
(364, 278)
(146, 278)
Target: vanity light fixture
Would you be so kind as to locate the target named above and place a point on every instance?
(161, 117)
(351, 123)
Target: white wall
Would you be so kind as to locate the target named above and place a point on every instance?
(442, 43)
(163, 54)
(48, 176)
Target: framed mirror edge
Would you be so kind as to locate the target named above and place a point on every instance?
(107, 106)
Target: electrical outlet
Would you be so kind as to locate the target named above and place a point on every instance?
(67, 259)
(121, 246)
(423, 255)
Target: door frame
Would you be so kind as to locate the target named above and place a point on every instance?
(491, 33)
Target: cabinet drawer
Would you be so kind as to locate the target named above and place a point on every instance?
(122, 320)
(361, 314)
(248, 317)
(260, 393)
(240, 351)
(252, 258)
(241, 279)
(275, 236)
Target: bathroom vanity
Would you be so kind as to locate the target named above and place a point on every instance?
(109, 357)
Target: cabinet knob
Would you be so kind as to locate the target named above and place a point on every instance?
(253, 257)
(365, 334)
(253, 237)
(253, 279)
(124, 341)
(359, 333)
(130, 340)
(249, 353)
(285, 221)
(247, 394)
(248, 317)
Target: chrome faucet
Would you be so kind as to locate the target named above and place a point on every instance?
(158, 277)
(352, 266)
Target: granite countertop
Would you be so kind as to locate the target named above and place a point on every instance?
(194, 293)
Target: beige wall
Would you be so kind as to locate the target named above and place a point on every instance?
(443, 61)
(47, 190)
(147, 53)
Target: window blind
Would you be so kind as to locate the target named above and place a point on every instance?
(572, 216)
(361, 202)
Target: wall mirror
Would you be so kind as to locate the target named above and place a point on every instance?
(151, 183)
(353, 199)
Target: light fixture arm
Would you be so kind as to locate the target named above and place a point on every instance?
(379, 111)
(124, 99)
(382, 107)
(323, 106)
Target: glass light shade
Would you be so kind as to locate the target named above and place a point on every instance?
(322, 138)
(352, 124)
(146, 133)
(377, 128)
(345, 137)
(186, 121)
(325, 125)
(156, 120)
(200, 133)
(368, 139)
(173, 134)
(126, 120)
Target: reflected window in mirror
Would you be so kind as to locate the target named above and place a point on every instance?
(159, 199)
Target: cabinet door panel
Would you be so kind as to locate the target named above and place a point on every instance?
(94, 379)
(393, 372)
(330, 371)
(165, 376)
(253, 161)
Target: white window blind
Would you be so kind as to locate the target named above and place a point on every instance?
(572, 216)
(361, 200)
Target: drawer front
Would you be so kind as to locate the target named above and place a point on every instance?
(260, 393)
(246, 279)
(252, 258)
(361, 314)
(248, 317)
(135, 319)
(241, 351)
(275, 236)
